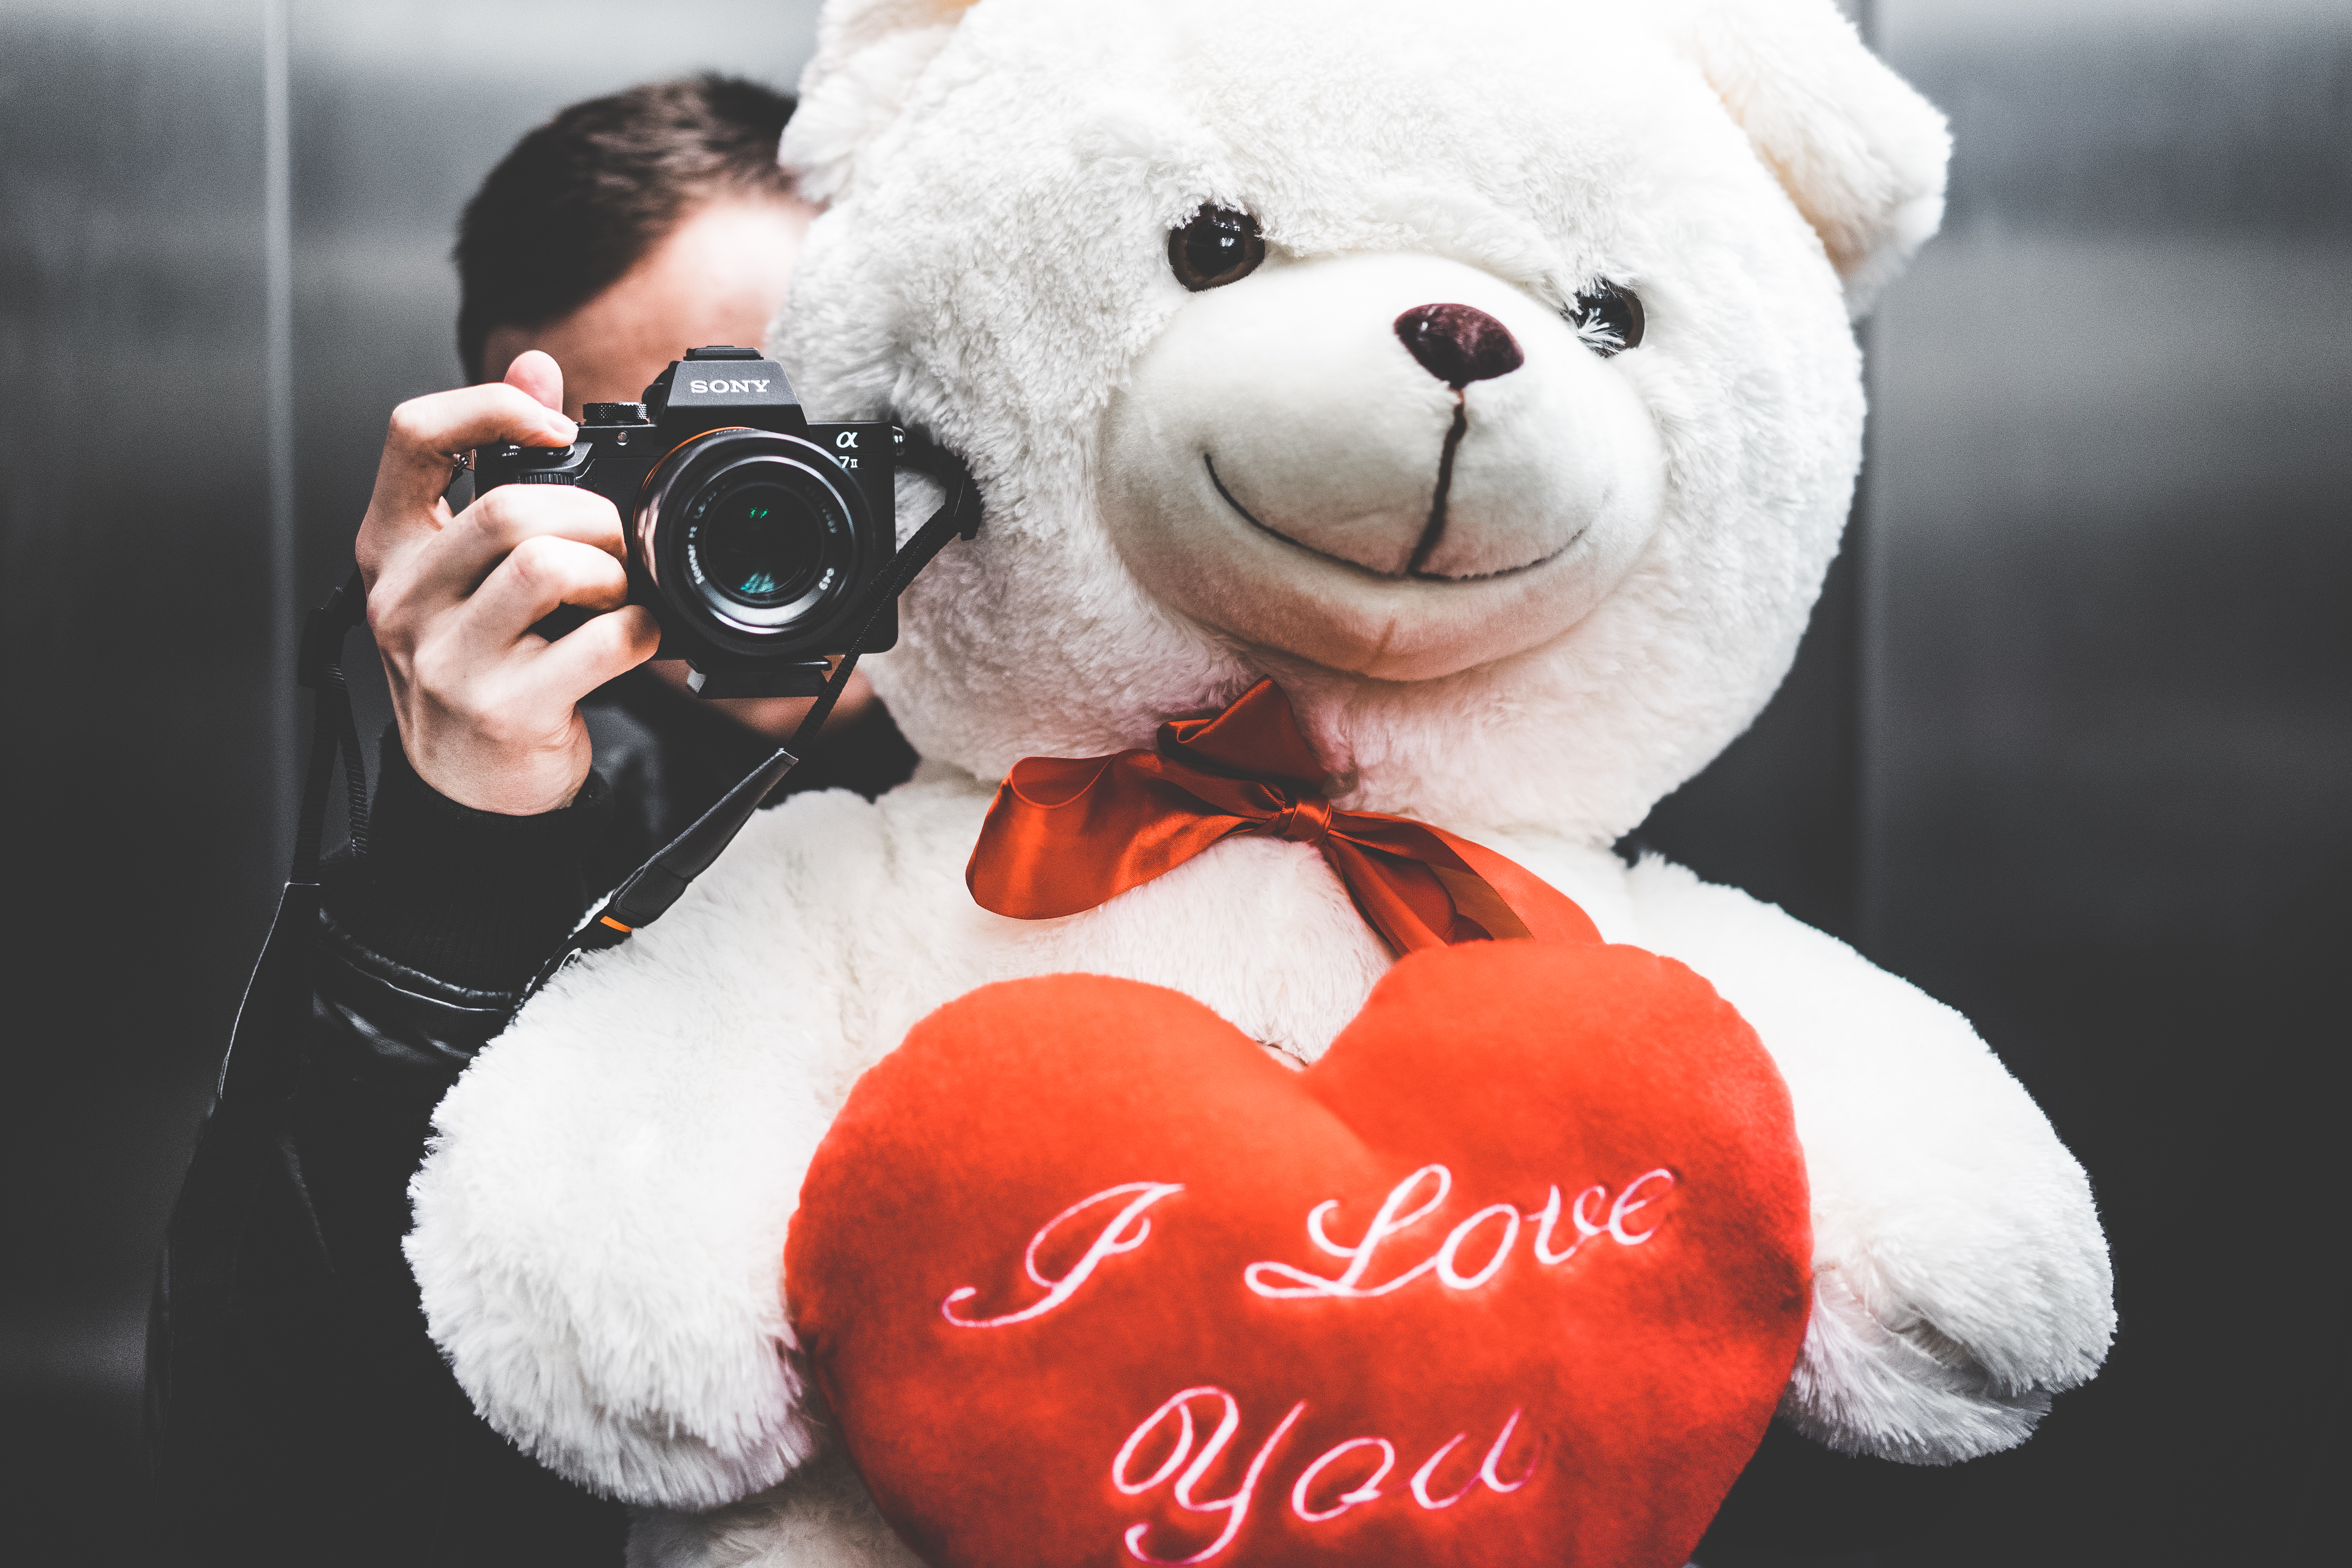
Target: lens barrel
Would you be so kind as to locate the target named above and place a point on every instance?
(754, 538)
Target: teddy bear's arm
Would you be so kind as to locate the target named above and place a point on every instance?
(1960, 1275)
(600, 1223)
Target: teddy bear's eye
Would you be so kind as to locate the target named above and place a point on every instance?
(1214, 247)
(1607, 318)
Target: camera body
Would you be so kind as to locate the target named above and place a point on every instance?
(752, 533)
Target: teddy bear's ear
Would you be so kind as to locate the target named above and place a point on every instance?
(1861, 153)
(870, 54)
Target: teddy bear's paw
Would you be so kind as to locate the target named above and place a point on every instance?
(1894, 1386)
(1998, 1265)
(643, 1357)
(650, 1426)
(1941, 1195)
(820, 1518)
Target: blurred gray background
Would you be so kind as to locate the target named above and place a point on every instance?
(2069, 743)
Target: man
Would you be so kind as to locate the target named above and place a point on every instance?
(612, 239)
(300, 1412)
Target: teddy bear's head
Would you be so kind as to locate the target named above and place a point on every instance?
(1483, 373)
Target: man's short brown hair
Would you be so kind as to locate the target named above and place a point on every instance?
(584, 197)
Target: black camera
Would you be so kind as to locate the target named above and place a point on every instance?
(753, 534)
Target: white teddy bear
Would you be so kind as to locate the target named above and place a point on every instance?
(1521, 566)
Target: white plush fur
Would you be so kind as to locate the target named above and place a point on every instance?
(600, 1226)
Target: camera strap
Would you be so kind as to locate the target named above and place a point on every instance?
(264, 1043)
(646, 893)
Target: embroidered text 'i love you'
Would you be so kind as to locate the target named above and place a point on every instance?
(1472, 1254)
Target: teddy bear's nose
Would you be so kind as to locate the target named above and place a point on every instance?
(1459, 343)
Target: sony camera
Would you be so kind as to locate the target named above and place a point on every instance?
(752, 534)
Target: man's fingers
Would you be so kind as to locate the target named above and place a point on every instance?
(542, 574)
(538, 375)
(449, 565)
(425, 432)
(604, 649)
(481, 661)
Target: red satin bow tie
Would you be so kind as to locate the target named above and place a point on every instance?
(1066, 833)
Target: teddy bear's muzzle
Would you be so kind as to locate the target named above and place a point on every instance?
(1391, 463)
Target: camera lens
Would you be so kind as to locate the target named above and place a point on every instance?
(760, 545)
(755, 544)
(767, 544)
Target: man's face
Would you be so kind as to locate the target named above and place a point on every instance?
(718, 278)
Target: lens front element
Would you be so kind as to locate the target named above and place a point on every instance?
(757, 545)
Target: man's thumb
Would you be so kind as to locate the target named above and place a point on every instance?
(540, 375)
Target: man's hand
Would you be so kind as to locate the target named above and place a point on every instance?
(488, 711)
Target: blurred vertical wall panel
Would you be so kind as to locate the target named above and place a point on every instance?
(140, 716)
(2106, 652)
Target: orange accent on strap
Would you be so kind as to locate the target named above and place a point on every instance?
(1066, 834)
(607, 919)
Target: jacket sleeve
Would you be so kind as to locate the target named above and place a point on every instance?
(293, 1390)
(472, 899)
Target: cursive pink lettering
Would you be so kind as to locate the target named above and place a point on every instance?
(1385, 1224)
(1429, 1467)
(1235, 1508)
(1409, 1202)
(1485, 1475)
(1125, 1233)
(1550, 1218)
(1177, 1413)
(1452, 1277)
(1400, 1211)
(1354, 1496)
(1495, 1456)
(1626, 1204)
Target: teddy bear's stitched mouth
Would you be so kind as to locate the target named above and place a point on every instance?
(1210, 462)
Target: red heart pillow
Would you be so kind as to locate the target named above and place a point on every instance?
(1514, 1275)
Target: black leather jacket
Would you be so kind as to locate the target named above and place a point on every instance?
(298, 1412)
